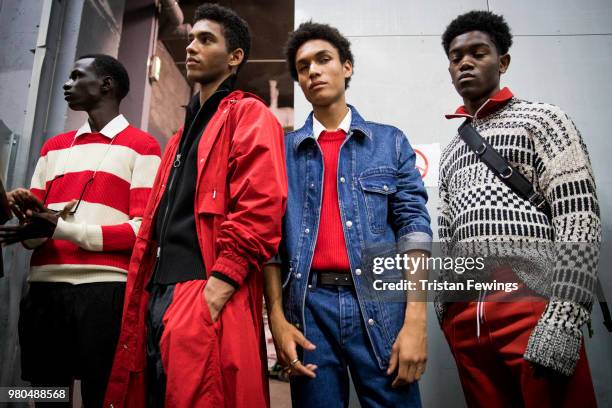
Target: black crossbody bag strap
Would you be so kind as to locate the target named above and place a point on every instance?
(500, 166)
(518, 183)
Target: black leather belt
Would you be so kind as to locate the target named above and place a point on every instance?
(335, 279)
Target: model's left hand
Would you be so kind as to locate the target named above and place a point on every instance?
(409, 352)
(216, 294)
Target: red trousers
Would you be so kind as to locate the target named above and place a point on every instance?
(212, 364)
(491, 367)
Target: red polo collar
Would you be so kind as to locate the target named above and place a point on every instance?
(491, 105)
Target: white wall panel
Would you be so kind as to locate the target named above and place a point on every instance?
(550, 17)
(384, 17)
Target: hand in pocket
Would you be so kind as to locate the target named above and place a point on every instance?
(216, 294)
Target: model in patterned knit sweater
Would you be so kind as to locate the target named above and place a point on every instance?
(81, 215)
(529, 352)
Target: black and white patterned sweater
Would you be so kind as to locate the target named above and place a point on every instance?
(543, 143)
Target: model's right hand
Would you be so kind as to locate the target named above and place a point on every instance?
(286, 339)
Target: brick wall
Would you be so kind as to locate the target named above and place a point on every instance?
(168, 96)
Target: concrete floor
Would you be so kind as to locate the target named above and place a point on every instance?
(280, 396)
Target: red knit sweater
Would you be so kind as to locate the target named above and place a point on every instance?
(330, 252)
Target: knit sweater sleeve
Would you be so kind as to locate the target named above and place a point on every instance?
(565, 176)
(444, 214)
(444, 225)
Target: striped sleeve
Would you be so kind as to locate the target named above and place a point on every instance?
(119, 237)
(122, 236)
(37, 185)
(143, 175)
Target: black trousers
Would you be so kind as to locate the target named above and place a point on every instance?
(159, 300)
(69, 332)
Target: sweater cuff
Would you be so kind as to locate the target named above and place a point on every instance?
(226, 279)
(65, 230)
(556, 340)
(88, 237)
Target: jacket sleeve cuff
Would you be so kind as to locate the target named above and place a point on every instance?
(556, 340)
(275, 260)
(417, 240)
(226, 279)
(231, 268)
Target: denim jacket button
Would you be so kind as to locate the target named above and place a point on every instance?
(307, 231)
(349, 224)
(311, 185)
(357, 272)
(371, 322)
(298, 275)
(386, 187)
(342, 179)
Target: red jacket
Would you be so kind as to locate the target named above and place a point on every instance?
(241, 194)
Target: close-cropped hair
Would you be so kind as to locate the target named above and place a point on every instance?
(105, 65)
(235, 30)
(316, 31)
(479, 20)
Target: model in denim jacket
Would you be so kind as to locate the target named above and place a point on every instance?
(322, 330)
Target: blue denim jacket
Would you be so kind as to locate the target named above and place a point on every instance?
(382, 202)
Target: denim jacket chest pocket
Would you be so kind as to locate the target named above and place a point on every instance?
(377, 186)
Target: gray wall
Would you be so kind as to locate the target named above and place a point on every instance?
(32, 106)
(16, 39)
(561, 55)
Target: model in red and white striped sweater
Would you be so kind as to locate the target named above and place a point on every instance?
(81, 215)
(113, 171)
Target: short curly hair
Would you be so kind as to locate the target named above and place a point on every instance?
(316, 31)
(105, 65)
(236, 31)
(480, 20)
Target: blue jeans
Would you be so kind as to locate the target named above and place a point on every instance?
(334, 324)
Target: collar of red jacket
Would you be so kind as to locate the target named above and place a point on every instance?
(491, 105)
(236, 96)
(233, 97)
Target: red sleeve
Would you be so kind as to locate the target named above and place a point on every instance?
(258, 193)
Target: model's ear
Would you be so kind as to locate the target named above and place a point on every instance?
(504, 63)
(235, 58)
(347, 67)
(107, 84)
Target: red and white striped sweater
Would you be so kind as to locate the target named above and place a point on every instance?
(95, 243)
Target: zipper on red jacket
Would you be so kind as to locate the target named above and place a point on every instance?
(176, 164)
